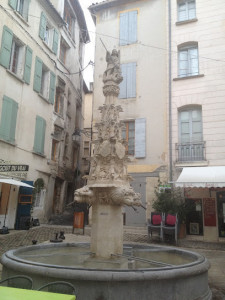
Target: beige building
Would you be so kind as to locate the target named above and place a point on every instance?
(197, 112)
(133, 28)
(41, 94)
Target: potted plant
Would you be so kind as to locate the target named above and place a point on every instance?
(170, 200)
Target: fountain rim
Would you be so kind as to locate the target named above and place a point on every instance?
(9, 259)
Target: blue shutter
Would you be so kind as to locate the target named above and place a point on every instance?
(123, 84)
(55, 41)
(52, 88)
(28, 63)
(5, 53)
(123, 28)
(37, 75)
(132, 27)
(13, 4)
(8, 119)
(39, 138)
(42, 28)
(131, 80)
(140, 138)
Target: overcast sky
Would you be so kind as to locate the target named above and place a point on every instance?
(89, 48)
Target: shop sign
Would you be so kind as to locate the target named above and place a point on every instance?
(209, 211)
(12, 169)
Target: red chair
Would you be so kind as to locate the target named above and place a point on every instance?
(169, 226)
(155, 225)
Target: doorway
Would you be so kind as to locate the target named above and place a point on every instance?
(221, 213)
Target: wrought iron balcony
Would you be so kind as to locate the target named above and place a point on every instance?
(190, 151)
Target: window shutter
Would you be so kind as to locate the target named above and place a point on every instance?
(39, 138)
(13, 121)
(123, 28)
(42, 28)
(123, 84)
(55, 41)
(131, 80)
(8, 119)
(28, 63)
(13, 4)
(26, 9)
(52, 88)
(37, 75)
(132, 27)
(7, 38)
(140, 138)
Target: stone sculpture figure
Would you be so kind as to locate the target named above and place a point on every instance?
(113, 72)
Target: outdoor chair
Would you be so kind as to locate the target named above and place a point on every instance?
(169, 226)
(155, 224)
(18, 281)
(61, 287)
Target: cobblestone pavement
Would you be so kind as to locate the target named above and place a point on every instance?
(215, 255)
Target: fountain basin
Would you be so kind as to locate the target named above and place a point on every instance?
(146, 271)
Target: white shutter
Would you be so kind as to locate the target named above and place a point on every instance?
(131, 80)
(123, 28)
(140, 129)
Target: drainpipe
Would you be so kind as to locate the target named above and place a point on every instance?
(170, 94)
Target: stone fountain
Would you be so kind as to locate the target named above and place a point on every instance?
(107, 269)
(108, 188)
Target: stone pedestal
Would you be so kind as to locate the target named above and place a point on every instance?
(107, 230)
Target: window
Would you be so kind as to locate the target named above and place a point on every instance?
(188, 61)
(128, 133)
(15, 56)
(44, 81)
(21, 6)
(8, 119)
(86, 148)
(134, 134)
(191, 144)
(69, 18)
(186, 10)
(48, 33)
(39, 138)
(59, 102)
(128, 28)
(55, 145)
(64, 47)
(128, 85)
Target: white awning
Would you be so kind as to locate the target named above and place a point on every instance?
(15, 182)
(202, 177)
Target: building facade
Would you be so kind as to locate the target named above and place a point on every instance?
(41, 61)
(133, 27)
(197, 106)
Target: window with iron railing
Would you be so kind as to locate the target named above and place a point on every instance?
(191, 146)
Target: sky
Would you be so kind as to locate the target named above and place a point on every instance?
(89, 48)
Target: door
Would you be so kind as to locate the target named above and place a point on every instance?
(221, 213)
(23, 215)
(137, 216)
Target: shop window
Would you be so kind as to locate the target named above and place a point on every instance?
(194, 220)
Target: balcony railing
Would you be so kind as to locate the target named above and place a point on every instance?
(190, 151)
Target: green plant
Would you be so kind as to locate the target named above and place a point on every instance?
(171, 200)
